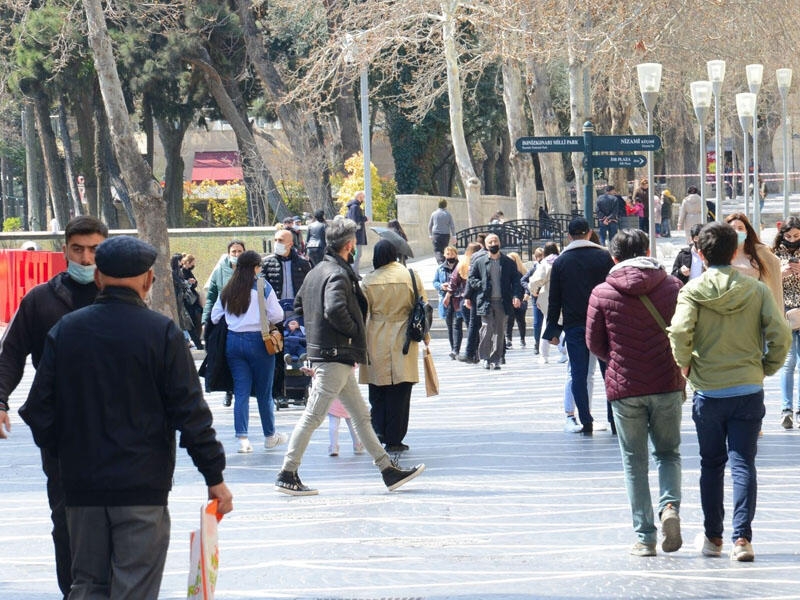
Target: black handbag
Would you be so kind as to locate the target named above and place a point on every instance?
(420, 319)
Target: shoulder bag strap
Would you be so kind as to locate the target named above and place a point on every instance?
(262, 307)
(414, 284)
(652, 310)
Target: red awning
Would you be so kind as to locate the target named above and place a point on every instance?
(219, 166)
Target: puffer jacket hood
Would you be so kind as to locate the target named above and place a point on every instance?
(720, 290)
(636, 276)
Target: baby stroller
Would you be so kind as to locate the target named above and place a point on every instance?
(296, 384)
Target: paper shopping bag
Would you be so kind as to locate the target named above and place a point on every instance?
(431, 378)
(204, 555)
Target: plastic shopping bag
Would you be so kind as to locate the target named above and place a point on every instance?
(204, 555)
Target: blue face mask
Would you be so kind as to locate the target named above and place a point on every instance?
(742, 235)
(80, 273)
(233, 260)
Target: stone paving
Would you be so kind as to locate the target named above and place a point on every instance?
(510, 506)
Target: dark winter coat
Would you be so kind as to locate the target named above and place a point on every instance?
(333, 308)
(682, 259)
(622, 332)
(356, 214)
(479, 287)
(272, 267)
(39, 310)
(115, 382)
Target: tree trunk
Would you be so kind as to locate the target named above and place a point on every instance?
(69, 159)
(147, 126)
(171, 134)
(83, 114)
(302, 130)
(545, 123)
(619, 107)
(102, 147)
(56, 182)
(471, 183)
(255, 170)
(578, 113)
(521, 162)
(146, 192)
(33, 166)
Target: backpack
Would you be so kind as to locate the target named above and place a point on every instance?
(420, 319)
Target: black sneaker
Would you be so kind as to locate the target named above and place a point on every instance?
(289, 483)
(394, 476)
(464, 358)
(228, 399)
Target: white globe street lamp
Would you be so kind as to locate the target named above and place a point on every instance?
(701, 100)
(746, 109)
(649, 85)
(716, 75)
(784, 77)
(755, 74)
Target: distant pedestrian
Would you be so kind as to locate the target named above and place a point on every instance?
(494, 287)
(315, 238)
(641, 195)
(667, 201)
(727, 334)
(441, 282)
(608, 215)
(454, 298)
(688, 264)
(580, 267)
(441, 230)
(643, 383)
(519, 314)
(692, 211)
(355, 213)
(112, 426)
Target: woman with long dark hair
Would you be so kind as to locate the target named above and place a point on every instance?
(389, 372)
(251, 366)
(754, 258)
(787, 248)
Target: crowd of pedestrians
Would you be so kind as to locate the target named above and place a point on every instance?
(727, 316)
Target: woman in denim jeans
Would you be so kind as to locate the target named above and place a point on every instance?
(787, 249)
(250, 364)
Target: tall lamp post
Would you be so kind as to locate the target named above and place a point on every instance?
(755, 73)
(649, 84)
(746, 109)
(784, 77)
(701, 100)
(716, 75)
(350, 46)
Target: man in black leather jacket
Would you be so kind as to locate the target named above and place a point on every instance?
(334, 308)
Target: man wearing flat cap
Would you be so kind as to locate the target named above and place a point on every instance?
(578, 269)
(113, 425)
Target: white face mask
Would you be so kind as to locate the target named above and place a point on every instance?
(280, 248)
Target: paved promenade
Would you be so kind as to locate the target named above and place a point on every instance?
(510, 506)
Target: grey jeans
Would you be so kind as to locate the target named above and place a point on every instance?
(117, 551)
(493, 331)
(334, 380)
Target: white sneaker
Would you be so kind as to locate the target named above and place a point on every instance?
(563, 358)
(571, 425)
(275, 440)
(358, 448)
(333, 450)
(244, 446)
(543, 360)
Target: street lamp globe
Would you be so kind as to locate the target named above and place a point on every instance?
(716, 71)
(755, 75)
(784, 78)
(746, 105)
(701, 94)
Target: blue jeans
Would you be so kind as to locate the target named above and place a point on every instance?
(538, 319)
(787, 373)
(607, 232)
(657, 417)
(575, 338)
(727, 429)
(252, 369)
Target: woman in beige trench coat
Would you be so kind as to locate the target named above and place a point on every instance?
(389, 373)
(692, 212)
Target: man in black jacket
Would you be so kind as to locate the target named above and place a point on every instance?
(356, 214)
(285, 271)
(334, 308)
(112, 426)
(40, 309)
(578, 269)
(494, 286)
(608, 215)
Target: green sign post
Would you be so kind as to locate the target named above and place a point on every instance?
(589, 144)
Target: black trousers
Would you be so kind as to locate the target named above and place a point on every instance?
(58, 514)
(519, 316)
(473, 332)
(440, 242)
(391, 405)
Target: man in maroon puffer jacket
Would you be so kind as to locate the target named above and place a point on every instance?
(643, 383)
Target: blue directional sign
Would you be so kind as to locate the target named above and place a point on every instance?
(618, 161)
(621, 143)
(572, 143)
